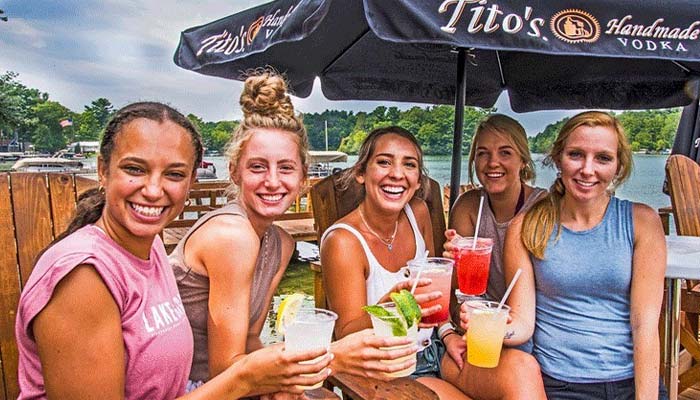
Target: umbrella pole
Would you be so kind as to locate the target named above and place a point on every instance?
(455, 174)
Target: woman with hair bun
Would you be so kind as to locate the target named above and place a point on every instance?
(100, 316)
(229, 264)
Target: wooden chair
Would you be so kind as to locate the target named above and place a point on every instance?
(34, 209)
(331, 204)
(683, 177)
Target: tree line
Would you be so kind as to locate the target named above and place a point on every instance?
(31, 116)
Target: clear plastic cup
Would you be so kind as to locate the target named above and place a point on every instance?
(487, 327)
(383, 328)
(439, 270)
(311, 329)
(472, 263)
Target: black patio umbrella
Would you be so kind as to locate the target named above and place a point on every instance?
(549, 54)
(687, 140)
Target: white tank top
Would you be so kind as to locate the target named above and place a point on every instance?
(379, 280)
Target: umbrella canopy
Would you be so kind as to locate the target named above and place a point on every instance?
(548, 54)
(687, 140)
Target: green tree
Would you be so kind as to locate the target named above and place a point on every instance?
(16, 103)
(48, 134)
(102, 110)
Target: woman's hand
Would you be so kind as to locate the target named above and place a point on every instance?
(456, 346)
(464, 317)
(273, 369)
(448, 247)
(364, 354)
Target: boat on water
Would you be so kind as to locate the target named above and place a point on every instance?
(320, 162)
(206, 171)
(49, 164)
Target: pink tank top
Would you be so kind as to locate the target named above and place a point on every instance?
(157, 336)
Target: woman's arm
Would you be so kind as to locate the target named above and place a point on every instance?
(79, 338)
(463, 213)
(288, 246)
(522, 298)
(226, 247)
(648, 268)
(344, 265)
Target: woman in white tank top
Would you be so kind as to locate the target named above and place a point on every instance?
(363, 253)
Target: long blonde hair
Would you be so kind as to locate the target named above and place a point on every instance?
(512, 130)
(266, 104)
(540, 220)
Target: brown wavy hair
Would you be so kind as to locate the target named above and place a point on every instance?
(367, 149)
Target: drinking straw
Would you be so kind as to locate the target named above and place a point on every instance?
(510, 287)
(422, 266)
(478, 222)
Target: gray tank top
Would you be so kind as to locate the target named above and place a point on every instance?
(194, 287)
(490, 228)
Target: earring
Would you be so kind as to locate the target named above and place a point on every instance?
(101, 188)
(188, 202)
(558, 174)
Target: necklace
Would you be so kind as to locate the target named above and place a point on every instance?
(389, 243)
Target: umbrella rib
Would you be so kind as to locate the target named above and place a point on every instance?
(340, 54)
(500, 68)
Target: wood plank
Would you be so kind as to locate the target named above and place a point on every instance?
(32, 211)
(367, 388)
(62, 197)
(83, 184)
(9, 293)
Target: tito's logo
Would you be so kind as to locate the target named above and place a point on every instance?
(575, 26)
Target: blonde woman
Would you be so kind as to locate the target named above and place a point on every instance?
(593, 271)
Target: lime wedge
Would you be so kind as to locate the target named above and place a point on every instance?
(407, 306)
(287, 310)
(395, 321)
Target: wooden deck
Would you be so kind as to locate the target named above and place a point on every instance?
(302, 230)
(693, 393)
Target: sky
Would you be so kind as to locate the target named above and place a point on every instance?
(81, 50)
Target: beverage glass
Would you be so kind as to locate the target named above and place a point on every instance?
(312, 328)
(439, 270)
(472, 263)
(487, 327)
(382, 327)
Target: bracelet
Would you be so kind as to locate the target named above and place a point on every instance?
(447, 334)
(444, 328)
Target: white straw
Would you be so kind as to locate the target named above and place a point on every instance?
(478, 222)
(422, 266)
(510, 287)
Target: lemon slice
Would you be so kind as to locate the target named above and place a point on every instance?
(287, 311)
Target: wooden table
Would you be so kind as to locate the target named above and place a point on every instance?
(683, 263)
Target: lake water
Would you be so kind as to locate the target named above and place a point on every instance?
(644, 185)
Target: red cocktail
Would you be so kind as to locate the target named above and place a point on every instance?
(439, 270)
(472, 263)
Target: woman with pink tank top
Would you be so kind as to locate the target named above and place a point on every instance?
(100, 316)
(500, 159)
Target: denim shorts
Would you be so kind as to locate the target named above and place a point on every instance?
(614, 390)
(428, 363)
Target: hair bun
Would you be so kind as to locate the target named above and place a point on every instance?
(266, 95)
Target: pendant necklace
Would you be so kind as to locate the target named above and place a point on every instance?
(388, 243)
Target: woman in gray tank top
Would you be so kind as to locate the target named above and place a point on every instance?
(500, 159)
(592, 272)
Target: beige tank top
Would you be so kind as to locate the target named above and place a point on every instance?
(194, 287)
(491, 228)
